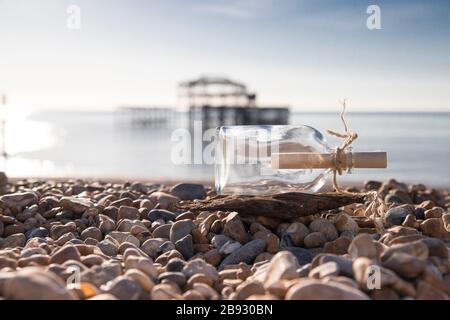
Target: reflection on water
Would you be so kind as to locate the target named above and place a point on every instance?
(23, 134)
(93, 144)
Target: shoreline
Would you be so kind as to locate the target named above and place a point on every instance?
(207, 182)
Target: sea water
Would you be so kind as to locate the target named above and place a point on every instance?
(98, 144)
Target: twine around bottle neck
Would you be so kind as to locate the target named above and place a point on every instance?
(340, 153)
(377, 207)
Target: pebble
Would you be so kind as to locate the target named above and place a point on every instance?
(402, 195)
(206, 291)
(39, 232)
(123, 288)
(19, 199)
(315, 240)
(103, 296)
(151, 247)
(157, 214)
(199, 237)
(188, 191)
(395, 216)
(234, 228)
(92, 260)
(303, 256)
(185, 246)
(249, 288)
(65, 253)
(141, 278)
(99, 275)
(213, 257)
(106, 224)
(435, 212)
(410, 221)
(57, 231)
(247, 253)
(436, 247)
(419, 212)
(111, 212)
(405, 265)
(14, 241)
(283, 266)
(108, 248)
(273, 243)
(345, 264)
(164, 291)
(181, 229)
(328, 269)
(185, 215)
(35, 284)
(385, 293)
(198, 278)
(6, 262)
(372, 185)
(166, 201)
(137, 229)
(229, 247)
(265, 256)
(297, 232)
(219, 240)
(175, 264)
(425, 291)
(362, 246)
(122, 237)
(77, 205)
(434, 227)
(37, 260)
(177, 277)
(166, 246)
(92, 232)
(141, 263)
(344, 223)
(390, 198)
(318, 290)
(338, 246)
(162, 231)
(126, 212)
(417, 249)
(217, 226)
(325, 227)
(196, 266)
(131, 251)
(193, 295)
(13, 229)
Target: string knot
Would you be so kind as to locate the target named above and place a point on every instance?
(342, 158)
(377, 208)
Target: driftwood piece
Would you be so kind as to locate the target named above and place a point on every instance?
(284, 205)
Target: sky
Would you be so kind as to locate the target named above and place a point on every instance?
(305, 54)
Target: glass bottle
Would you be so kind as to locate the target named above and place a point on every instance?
(269, 159)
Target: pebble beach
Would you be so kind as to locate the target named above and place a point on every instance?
(82, 239)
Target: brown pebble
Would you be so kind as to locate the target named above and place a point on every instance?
(248, 288)
(65, 253)
(213, 257)
(338, 246)
(314, 240)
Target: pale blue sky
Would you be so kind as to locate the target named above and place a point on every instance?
(307, 54)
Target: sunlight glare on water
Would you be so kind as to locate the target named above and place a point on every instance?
(24, 135)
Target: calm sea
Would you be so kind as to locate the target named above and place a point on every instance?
(102, 144)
